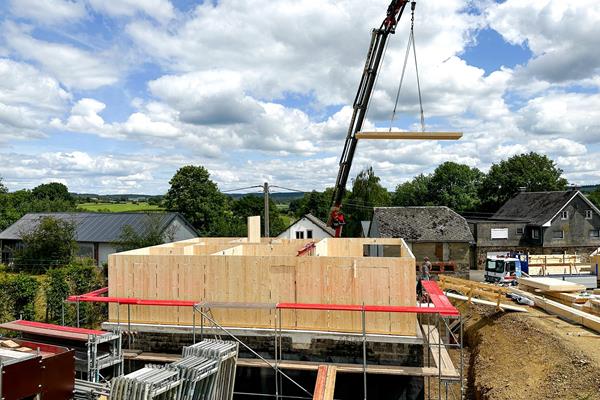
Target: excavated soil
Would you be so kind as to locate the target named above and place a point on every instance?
(529, 356)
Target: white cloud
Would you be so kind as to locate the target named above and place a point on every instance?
(74, 67)
(49, 11)
(161, 10)
(28, 100)
(570, 115)
(562, 35)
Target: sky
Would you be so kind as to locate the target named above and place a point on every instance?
(115, 96)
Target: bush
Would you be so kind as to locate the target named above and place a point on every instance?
(18, 296)
(77, 278)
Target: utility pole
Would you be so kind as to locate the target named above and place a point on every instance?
(266, 192)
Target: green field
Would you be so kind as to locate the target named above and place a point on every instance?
(119, 207)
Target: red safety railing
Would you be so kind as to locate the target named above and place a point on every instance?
(440, 303)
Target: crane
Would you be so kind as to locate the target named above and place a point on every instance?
(379, 39)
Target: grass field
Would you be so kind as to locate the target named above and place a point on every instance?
(119, 207)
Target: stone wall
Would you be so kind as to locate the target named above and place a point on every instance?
(318, 350)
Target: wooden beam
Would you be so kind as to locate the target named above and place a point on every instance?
(551, 284)
(254, 229)
(325, 385)
(410, 135)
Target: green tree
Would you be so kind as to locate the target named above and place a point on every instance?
(455, 186)
(366, 193)
(151, 234)
(315, 203)
(250, 205)
(595, 196)
(52, 191)
(413, 193)
(534, 172)
(48, 243)
(196, 196)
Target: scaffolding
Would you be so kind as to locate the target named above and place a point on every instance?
(439, 326)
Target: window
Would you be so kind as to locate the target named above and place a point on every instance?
(558, 234)
(595, 233)
(535, 233)
(499, 233)
(309, 234)
(564, 215)
(299, 235)
(520, 231)
(588, 214)
(495, 266)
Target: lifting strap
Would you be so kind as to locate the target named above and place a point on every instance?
(411, 43)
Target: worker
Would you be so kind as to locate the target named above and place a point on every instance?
(425, 269)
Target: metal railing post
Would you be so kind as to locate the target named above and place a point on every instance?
(364, 337)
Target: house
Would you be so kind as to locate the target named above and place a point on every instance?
(435, 232)
(539, 223)
(307, 227)
(97, 234)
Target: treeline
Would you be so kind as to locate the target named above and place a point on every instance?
(48, 197)
(458, 186)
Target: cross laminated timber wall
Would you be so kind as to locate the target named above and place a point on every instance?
(235, 270)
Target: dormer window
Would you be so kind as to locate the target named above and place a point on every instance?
(564, 215)
(588, 214)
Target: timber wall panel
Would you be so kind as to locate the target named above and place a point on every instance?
(268, 279)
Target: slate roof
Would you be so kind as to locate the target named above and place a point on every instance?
(536, 208)
(93, 227)
(421, 224)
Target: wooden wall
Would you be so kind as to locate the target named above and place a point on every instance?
(268, 274)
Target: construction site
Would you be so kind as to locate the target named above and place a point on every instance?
(341, 318)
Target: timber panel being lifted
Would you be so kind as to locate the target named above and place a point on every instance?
(238, 271)
(410, 135)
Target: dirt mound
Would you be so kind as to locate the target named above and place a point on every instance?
(526, 356)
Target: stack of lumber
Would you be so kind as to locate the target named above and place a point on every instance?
(552, 264)
(566, 293)
(10, 344)
(570, 313)
(477, 292)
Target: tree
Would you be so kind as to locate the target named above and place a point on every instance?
(3, 188)
(49, 243)
(315, 203)
(366, 193)
(151, 234)
(413, 193)
(250, 205)
(52, 191)
(534, 172)
(196, 196)
(595, 196)
(455, 186)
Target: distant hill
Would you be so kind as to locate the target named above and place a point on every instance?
(588, 188)
(277, 197)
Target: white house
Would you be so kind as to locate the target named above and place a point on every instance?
(307, 227)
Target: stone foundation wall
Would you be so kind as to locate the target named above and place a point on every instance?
(318, 350)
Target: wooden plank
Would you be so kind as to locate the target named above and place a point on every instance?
(580, 317)
(254, 229)
(552, 285)
(410, 135)
(325, 385)
(439, 352)
(502, 306)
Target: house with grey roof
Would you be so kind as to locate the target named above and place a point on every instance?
(436, 232)
(98, 234)
(307, 227)
(539, 223)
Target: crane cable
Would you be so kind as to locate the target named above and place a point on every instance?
(411, 43)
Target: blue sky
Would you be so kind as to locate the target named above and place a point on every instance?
(114, 97)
